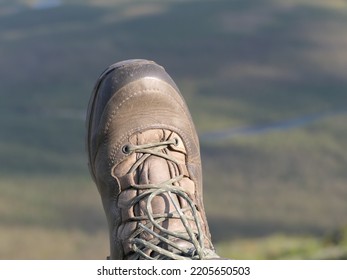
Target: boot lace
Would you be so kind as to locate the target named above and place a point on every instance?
(150, 223)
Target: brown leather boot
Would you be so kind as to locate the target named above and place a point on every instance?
(145, 160)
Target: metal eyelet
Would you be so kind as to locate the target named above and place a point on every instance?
(126, 149)
(176, 141)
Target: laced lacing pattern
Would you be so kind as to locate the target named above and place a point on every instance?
(163, 238)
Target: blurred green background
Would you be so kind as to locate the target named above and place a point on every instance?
(266, 83)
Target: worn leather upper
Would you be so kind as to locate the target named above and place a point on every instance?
(134, 103)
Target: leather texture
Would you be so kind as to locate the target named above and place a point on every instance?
(135, 102)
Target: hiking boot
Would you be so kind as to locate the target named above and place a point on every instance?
(144, 157)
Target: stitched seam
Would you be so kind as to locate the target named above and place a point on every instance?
(109, 120)
(113, 113)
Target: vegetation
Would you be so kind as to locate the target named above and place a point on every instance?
(278, 195)
(283, 247)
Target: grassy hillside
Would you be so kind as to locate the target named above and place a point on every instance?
(238, 64)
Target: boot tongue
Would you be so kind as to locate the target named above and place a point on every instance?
(155, 170)
(152, 136)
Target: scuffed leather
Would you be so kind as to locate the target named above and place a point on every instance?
(144, 110)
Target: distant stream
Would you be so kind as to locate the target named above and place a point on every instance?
(266, 128)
